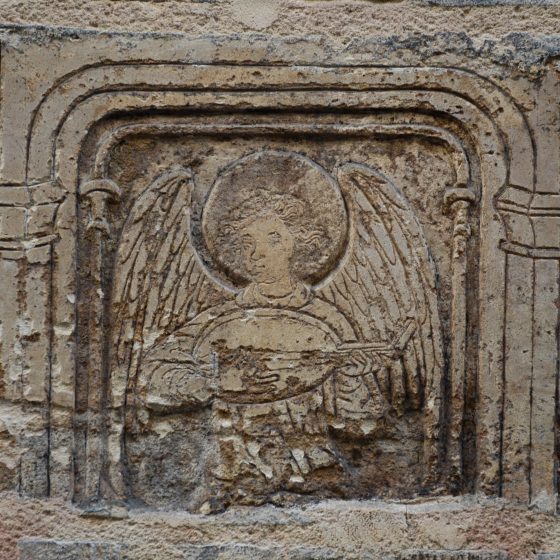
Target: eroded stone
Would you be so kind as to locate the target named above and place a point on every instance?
(244, 552)
(453, 555)
(36, 549)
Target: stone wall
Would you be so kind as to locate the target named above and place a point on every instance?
(279, 279)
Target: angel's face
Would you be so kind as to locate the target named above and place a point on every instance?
(267, 246)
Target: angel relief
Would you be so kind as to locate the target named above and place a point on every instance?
(310, 321)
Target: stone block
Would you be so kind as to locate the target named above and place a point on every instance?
(312, 269)
(38, 549)
(252, 552)
(233, 282)
(452, 555)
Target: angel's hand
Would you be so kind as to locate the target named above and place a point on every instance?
(360, 363)
(262, 380)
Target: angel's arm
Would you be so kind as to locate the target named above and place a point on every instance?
(172, 379)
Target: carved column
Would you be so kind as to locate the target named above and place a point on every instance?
(530, 400)
(457, 202)
(91, 408)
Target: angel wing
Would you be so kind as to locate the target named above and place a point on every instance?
(159, 282)
(387, 284)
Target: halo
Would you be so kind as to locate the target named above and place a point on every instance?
(269, 177)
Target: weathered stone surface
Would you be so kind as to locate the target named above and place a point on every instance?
(247, 280)
(354, 530)
(243, 552)
(341, 19)
(36, 549)
(453, 555)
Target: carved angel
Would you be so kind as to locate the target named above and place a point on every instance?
(317, 316)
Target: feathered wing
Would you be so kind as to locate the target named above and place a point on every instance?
(388, 282)
(159, 283)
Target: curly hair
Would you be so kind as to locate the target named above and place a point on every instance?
(312, 241)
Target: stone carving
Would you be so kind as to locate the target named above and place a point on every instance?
(148, 360)
(315, 320)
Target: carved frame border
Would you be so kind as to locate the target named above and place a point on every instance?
(449, 447)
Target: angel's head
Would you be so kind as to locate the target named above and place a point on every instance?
(269, 238)
(274, 217)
